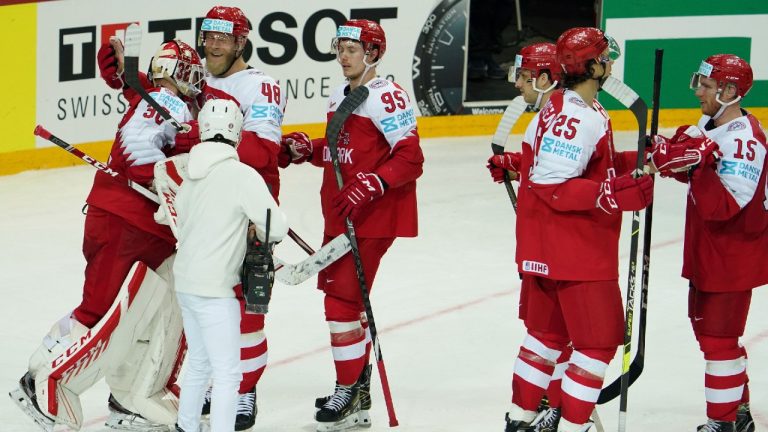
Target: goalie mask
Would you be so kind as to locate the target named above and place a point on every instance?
(220, 119)
(179, 63)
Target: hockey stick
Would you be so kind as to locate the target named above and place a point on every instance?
(289, 274)
(131, 73)
(627, 97)
(353, 100)
(636, 368)
(499, 141)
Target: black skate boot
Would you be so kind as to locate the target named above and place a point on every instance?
(246, 411)
(744, 422)
(341, 410)
(123, 419)
(546, 421)
(515, 425)
(716, 426)
(25, 398)
(364, 382)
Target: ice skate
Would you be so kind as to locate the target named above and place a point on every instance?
(546, 421)
(340, 412)
(744, 422)
(364, 382)
(716, 426)
(122, 419)
(246, 411)
(25, 398)
(515, 425)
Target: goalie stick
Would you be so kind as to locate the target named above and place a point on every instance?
(513, 112)
(353, 100)
(289, 274)
(636, 368)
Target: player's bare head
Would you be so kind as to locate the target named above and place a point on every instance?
(223, 36)
(536, 72)
(178, 64)
(220, 120)
(586, 53)
(359, 41)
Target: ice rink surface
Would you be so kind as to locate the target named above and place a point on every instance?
(445, 304)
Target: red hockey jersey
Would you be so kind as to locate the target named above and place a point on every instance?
(561, 234)
(143, 138)
(379, 137)
(726, 220)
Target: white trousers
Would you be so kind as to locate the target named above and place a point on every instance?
(212, 328)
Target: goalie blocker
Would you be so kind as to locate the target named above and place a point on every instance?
(138, 346)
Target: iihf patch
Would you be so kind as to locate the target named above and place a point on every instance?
(379, 83)
(577, 101)
(535, 267)
(737, 125)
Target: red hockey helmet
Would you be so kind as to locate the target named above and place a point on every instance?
(537, 58)
(224, 19)
(367, 32)
(725, 69)
(577, 46)
(180, 63)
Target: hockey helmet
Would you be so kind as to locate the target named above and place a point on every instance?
(725, 69)
(220, 118)
(367, 32)
(537, 58)
(579, 45)
(224, 19)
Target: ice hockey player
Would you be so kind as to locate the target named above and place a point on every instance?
(577, 188)
(223, 35)
(723, 161)
(214, 206)
(380, 160)
(119, 231)
(537, 74)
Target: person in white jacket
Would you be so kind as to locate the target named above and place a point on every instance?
(214, 206)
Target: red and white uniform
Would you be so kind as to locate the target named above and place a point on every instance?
(120, 228)
(726, 230)
(379, 137)
(726, 247)
(567, 151)
(573, 153)
(262, 102)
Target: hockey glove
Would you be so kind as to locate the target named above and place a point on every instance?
(258, 277)
(296, 147)
(508, 161)
(110, 66)
(357, 194)
(681, 153)
(187, 138)
(625, 193)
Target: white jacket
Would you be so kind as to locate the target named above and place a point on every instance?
(214, 207)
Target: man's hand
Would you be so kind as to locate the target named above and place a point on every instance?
(625, 193)
(357, 194)
(508, 161)
(110, 59)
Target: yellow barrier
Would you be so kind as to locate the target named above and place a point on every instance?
(429, 127)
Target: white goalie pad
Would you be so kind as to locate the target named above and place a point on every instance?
(73, 357)
(169, 175)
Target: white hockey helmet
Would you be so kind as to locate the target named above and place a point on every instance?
(220, 118)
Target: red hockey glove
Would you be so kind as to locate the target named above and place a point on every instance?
(625, 193)
(681, 153)
(187, 139)
(357, 194)
(508, 161)
(296, 147)
(110, 68)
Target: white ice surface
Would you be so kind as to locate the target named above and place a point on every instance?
(445, 304)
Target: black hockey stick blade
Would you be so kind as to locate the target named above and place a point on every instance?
(131, 73)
